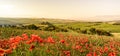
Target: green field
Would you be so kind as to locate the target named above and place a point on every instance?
(65, 23)
(86, 25)
(45, 41)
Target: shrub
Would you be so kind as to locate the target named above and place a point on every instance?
(96, 31)
(116, 24)
(32, 26)
(99, 32)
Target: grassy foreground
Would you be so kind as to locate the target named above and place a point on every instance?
(40, 43)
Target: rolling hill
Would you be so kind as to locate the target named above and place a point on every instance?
(31, 20)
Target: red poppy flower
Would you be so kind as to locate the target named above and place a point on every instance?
(50, 40)
(29, 42)
(89, 54)
(94, 54)
(25, 36)
(67, 53)
(62, 41)
(2, 51)
(78, 47)
(112, 54)
(105, 49)
(8, 51)
(31, 47)
(40, 40)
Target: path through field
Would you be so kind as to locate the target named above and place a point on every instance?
(117, 35)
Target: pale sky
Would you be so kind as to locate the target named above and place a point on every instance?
(58, 8)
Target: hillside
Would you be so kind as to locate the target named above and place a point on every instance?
(104, 18)
(29, 20)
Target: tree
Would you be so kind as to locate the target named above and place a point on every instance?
(32, 26)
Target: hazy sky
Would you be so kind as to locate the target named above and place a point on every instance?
(58, 8)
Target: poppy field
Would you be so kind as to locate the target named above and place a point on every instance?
(59, 45)
(59, 27)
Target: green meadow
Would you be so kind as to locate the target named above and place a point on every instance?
(57, 37)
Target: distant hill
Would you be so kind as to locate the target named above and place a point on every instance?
(117, 21)
(104, 18)
(6, 22)
(108, 18)
(31, 20)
